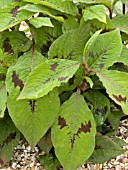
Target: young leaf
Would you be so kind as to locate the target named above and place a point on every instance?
(121, 22)
(95, 12)
(101, 106)
(104, 51)
(115, 83)
(46, 76)
(71, 44)
(41, 21)
(75, 126)
(105, 149)
(9, 138)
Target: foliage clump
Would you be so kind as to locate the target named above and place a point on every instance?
(63, 80)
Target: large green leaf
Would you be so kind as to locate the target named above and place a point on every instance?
(115, 83)
(73, 133)
(32, 117)
(121, 22)
(71, 44)
(46, 76)
(105, 149)
(13, 15)
(95, 12)
(101, 105)
(9, 138)
(65, 7)
(104, 51)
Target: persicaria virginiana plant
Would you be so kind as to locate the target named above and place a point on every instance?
(63, 79)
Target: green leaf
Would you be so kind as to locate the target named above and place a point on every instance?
(45, 143)
(65, 7)
(15, 41)
(89, 80)
(104, 51)
(75, 126)
(105, 149)
(121, 22)
(106, 27)
(49, 162)
(9, 138)
(119, 141)
(41, 21)
(95, 12)
(124, 56)
(46, 76)
(43, 9)
(101, 105)
(114, 119)
(3, 100)
(90, 42)
(32, 117)
(70, 23)
(91, 2)
(115, 83)
(71, 44)
(13, 15)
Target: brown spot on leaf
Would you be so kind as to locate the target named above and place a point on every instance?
(101, 66)
(10, 138)
(47, 80)
(120, 98)
(62, 78)
(91, 54)
(61, 122)
(17, 81)
(32, 104)
(7, 47)
(14, 11)
(71, 80)
(54, 66)
(85, 128)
